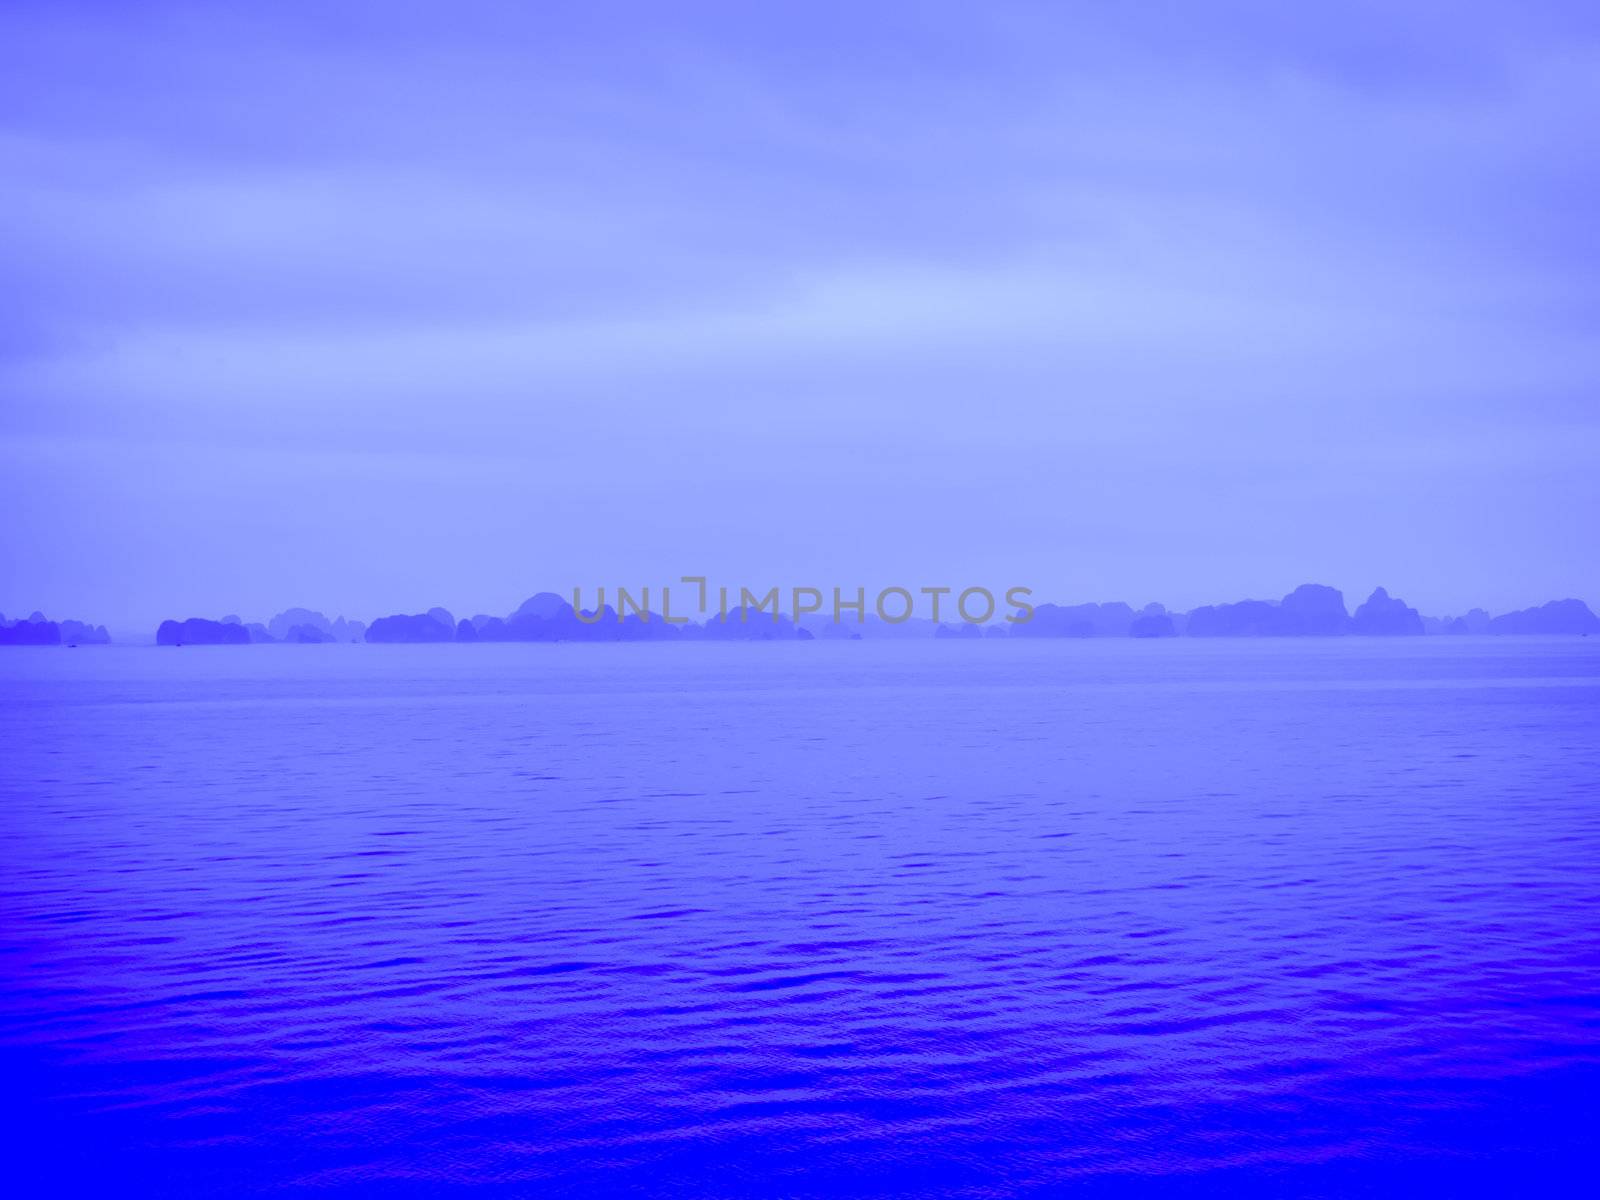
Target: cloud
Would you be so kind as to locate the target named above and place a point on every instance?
(1197, 257)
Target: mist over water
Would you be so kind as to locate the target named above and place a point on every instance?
(895, 918)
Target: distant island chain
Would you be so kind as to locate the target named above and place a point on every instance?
(1311, 610)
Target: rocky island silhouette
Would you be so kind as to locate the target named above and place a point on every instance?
(1310, 610)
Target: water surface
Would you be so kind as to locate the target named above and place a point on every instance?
(800, 919)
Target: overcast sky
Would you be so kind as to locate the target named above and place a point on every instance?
(370, 307)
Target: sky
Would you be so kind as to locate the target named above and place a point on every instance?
(370, 307)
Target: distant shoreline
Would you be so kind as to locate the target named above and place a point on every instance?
(1311, 610)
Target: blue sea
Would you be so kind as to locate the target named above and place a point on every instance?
(942, 918)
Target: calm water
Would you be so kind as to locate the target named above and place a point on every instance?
(801, 919)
